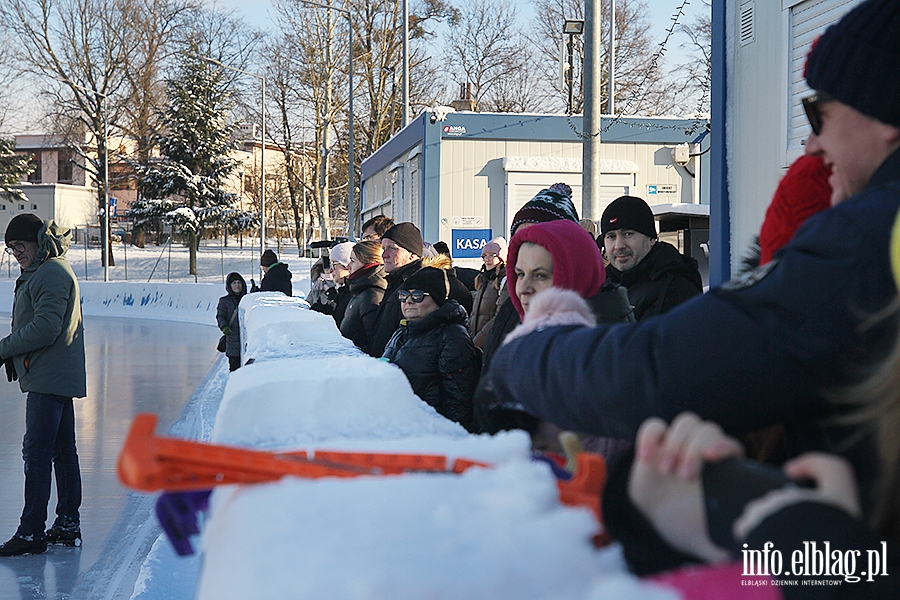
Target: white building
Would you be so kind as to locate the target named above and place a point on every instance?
(462, 176)
(759, 51)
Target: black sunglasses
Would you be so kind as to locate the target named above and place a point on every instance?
(416, 295)
(812, 106)
(15, 247)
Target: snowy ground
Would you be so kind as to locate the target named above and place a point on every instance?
(488, 533)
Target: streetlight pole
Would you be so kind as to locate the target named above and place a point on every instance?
(351, 167)
(405, 116)
(262, 151)
(571, 27)
(104, 212)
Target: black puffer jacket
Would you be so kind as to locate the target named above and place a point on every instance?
(361, 316)
(226, 314)
(277, 279)
(389, 314)
(609, 305)
(660, 282)
(439, 360)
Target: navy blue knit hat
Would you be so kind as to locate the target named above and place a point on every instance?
(857, 60)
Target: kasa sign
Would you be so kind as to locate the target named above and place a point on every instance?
(467, 243)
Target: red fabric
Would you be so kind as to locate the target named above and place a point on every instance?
(363, 271)
(714, 582)
(803, 192)
(577, 262)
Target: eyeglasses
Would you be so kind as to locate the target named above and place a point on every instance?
(490, 256)
(371, 237)
(812, 106)
(17, 247)
(416, 295)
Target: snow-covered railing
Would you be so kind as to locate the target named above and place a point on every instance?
(497, 532)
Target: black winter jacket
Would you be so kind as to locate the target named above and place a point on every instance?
(660, 282)
(276, 279)
(610, 305)
(361, 316)
(226, 309)
(389, 314)
(440, 361)
(757, 351)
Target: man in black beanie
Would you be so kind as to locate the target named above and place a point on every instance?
(276, 276)
(771, 347)
(401, 249)
(657, 276)
(45, 352)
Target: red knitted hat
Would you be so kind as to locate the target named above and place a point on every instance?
(804, 190)
(577, 262)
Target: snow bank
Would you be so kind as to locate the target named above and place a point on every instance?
(496, 533)
(189, 303)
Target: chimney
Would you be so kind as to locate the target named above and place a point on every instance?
(465, 102)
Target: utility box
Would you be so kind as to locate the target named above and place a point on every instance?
(686, 226)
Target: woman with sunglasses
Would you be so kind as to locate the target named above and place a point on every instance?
(433, 347)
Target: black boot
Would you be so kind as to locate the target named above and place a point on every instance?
(64, 536)
(19, 545)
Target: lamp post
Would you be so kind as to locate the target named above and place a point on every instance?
(104, 212)
(572, 27)
(262, 152)
(351, 191)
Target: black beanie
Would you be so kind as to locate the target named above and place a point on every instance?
(429, 279)
(406, 235)
(23, 228)
(628, 212)
(856, 60)
(268, 258)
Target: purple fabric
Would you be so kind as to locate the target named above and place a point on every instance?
(177, 513)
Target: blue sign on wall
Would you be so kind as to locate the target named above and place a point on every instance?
(467, 243)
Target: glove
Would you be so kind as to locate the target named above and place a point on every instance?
(226, 330)
(177, 513)
(253, 286)
(11, 374)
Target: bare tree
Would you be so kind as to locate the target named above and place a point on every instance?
(485, 48)
(691, 79)
(79, 50)
(639, 70)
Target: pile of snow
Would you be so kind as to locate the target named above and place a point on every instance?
(497, 532)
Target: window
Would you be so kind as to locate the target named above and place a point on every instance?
(64, 166)
(35, 175)
(34, 207)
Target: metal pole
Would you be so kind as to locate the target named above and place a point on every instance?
(612, 57)
(570, 79)
(351, 185)
(106, 241)
(262, 170)
(590, 176)
(404, 118)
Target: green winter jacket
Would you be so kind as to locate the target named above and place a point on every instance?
(47, 339)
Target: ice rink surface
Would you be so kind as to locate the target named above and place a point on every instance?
(133, 366)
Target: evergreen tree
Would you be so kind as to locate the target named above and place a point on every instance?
(13, 168)
(186, 188)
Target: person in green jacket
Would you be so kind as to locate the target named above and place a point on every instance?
(45, 352)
